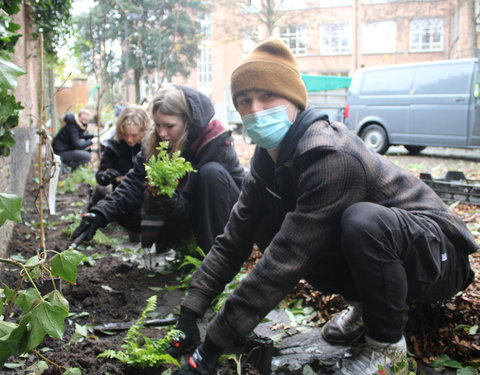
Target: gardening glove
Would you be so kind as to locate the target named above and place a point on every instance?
(203, 361)
(162, 204)
(190, 336)
(107, 177)
(87, 136)
(91, 221)
(152, 221)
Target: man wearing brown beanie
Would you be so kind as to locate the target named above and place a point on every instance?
(325, 208)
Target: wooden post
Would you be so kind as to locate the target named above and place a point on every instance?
(40, 149)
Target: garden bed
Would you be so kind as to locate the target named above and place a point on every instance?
(113, 286)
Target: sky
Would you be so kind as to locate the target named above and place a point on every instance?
(79, 6)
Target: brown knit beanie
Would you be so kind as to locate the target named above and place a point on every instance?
(271, 67)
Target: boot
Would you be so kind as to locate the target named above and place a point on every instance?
(346, 327)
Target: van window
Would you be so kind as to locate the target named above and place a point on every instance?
(443, 79)
(387, 82)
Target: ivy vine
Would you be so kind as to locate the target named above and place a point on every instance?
(53, 19)
(10, 109)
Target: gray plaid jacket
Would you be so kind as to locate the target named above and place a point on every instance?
(327, 170)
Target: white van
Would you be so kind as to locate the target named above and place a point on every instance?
(416, 105)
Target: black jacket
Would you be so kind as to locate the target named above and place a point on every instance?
(71, 136)
(116, 155)
(207, 141)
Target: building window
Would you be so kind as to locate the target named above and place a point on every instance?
(365, 2)
(250, 40)
(334, 3)
(335, 39)
(379, 37)
(296, 38)
(477, 15)
(292, 4)
(204, 64)
(254, 6)
(426, 35)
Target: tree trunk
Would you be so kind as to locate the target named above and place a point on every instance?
(137, 74)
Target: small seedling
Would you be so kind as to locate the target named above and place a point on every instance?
(140, 351)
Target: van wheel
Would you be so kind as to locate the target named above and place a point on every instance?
(414, 150)
(375, 138)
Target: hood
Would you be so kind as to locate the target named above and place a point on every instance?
(297, 130)
(202, 112)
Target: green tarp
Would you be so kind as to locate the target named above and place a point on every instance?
(325, 83)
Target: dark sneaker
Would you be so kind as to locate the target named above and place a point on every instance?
(374, 357)
(346, 327)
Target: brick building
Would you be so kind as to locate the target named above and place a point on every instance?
(334, 37)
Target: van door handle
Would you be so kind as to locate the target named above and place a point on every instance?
(459, 100)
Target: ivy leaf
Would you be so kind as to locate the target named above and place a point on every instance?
(10, 206)
(13, 343)
(26, 298)
(9, 73)
(73, 371)
(47, 317)
(65, 264)
(6, 328)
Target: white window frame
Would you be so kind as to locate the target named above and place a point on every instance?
(422, 31)
(368, 2)
(336, 39)
(334, 3)
(292, 4)
(477, 15)
(204, 62)
(250, 40)
(379, 37)
(296, 34)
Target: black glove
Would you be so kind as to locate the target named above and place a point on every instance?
(160, 204)
(87, 136)
(203, 361)
(107, 176)
(91, 221)
(190, 337)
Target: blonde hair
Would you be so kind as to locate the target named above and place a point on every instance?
(170, 101)
(84, 111)
(132, 115)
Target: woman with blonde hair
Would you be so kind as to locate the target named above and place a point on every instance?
(119, 151)
(202, 201)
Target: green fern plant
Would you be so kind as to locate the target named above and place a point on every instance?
(140, 351)
(164, 170)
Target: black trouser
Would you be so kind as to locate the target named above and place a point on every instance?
(394, 256)
(215, 194)
(213, 197)
(75, 158)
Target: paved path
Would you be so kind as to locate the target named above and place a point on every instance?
(300, 346)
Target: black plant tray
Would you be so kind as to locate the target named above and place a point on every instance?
(454, 186)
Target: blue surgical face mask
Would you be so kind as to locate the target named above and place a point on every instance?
(267, 128)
